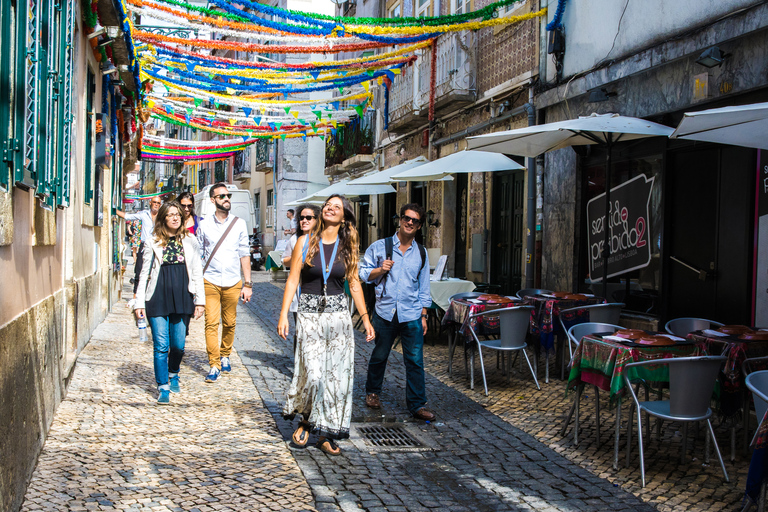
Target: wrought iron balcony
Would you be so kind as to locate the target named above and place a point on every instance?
(455, 82)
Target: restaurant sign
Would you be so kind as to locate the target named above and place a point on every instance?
(628, 228)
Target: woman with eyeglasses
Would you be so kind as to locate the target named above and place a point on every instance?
(323, 375)
(187, 202)
(308, 215)
(170, 291)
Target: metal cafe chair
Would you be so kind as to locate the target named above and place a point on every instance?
(682, 326)
(757, 383)
(531, 291)
(691, 382)
(513, 329)
(600, 313)
(452, 340)
(574, 335)
(748, 367)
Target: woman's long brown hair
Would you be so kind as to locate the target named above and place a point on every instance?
(348, 239)
(161, 231)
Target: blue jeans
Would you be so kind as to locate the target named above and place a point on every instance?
(412, 335)
(168, 336)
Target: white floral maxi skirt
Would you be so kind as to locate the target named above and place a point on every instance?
(324, 368)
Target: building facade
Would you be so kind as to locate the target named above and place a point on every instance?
(67, 89)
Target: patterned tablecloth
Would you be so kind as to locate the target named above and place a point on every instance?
(603, 363)
(732, 385)
(459, 312)
(544, 317)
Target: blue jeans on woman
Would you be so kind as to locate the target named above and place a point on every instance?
(412, 336)
(168, 336)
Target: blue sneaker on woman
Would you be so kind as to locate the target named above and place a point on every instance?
(175, 388)
(165, 397)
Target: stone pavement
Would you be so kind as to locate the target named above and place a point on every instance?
(478, 462)
(111, 447)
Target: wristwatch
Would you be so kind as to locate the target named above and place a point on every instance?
(248, 284)
(423, 316)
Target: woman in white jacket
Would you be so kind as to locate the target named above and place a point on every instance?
(170, 291)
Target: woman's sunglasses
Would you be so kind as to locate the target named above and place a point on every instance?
(187, 206)
(306, 217)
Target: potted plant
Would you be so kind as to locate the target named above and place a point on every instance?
(366, 141)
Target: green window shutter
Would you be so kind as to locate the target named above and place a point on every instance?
(89, 120)
(64, 135)
(26, 173)
(6, 58)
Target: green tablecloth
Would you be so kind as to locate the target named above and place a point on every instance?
(603, 363)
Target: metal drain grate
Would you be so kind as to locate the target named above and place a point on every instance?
(389, 437)
(392, 437)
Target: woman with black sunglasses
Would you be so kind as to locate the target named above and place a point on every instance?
(187, 202)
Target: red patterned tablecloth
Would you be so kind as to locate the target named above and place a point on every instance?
(546, 311)
(603, 363)
(732, 384)
(461, 310)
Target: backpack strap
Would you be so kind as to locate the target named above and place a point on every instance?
(388, 250)
(423, 253)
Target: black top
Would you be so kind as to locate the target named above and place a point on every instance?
(312, 277)
(171, 294)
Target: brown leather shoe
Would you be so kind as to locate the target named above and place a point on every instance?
(372, 401)
(424, 414)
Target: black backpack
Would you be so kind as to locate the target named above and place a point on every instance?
(389, 248)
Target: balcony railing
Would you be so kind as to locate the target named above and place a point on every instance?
(455, 82)
(353, 138)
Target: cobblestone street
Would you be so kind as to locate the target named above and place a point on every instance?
(224, 446)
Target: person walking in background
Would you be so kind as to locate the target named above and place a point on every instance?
(400, 269)
(308, 214)
(187, 202)
(291, 229)
(147, 218)
(133, 229)
(323, 374)
(170, 291)
(224, 243)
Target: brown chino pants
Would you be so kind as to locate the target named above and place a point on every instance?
(220, 306)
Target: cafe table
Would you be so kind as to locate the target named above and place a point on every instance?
(544, 319)
(459, 312)
(601, 361)
(442, 291)
(274, 260)
(732, 391)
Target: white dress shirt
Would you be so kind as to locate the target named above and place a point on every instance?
(147, 223)
(224, 269)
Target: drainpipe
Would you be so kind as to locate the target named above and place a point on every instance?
(531, 238)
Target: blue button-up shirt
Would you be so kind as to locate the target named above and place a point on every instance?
(405, 293)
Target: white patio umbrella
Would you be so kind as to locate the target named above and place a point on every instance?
(343, 188)
(383, 177)
(460, 162)
(602, 129)
(745, 125)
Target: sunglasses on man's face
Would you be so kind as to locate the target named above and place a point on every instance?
(407, 219)
(306, 217)
(222, 196)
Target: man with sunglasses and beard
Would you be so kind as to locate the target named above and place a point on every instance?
(400, 272)
(224, 245)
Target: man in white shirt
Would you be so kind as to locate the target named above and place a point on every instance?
(291, 229)
(147, 218)
(223, 286)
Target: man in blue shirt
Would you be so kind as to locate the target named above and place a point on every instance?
(402, 296)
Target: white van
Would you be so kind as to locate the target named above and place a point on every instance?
(242, 205)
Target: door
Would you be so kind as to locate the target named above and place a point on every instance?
(507, 230)
(461, 225)
(708, 243)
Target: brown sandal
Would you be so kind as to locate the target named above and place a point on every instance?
(328, 446)
(302, 438)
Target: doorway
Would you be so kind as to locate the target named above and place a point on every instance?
(507, 226)
(462, 218)
(708, 242)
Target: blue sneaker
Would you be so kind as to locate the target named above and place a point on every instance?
(225, 366)
(213, 374)
(165, 397)
(175, 388)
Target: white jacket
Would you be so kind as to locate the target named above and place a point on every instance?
(193, 263)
